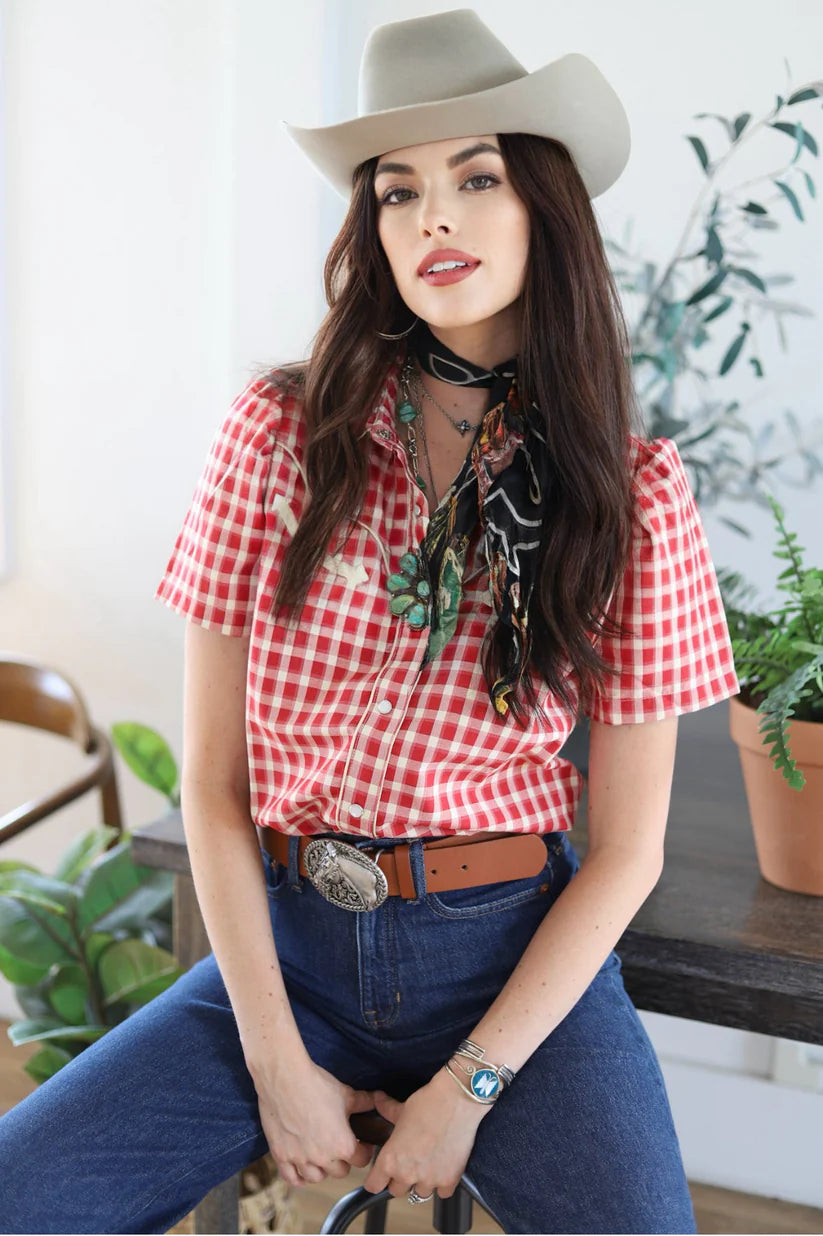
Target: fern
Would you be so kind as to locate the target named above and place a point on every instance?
(778, 653)
(775, 712)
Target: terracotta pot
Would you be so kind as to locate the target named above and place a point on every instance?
(787, 823)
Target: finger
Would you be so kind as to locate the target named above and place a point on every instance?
(311, 1172)
(291, 1175)
(362, 1155)
(338, 1168)
(360, 1101)
(387, 1106)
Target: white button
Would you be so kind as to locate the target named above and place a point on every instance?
(384, 706)
(356, 811)
(418, 510)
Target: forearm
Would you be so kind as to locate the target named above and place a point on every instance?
(565, 953)
(231, 891)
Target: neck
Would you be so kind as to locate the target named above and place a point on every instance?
(477, 343)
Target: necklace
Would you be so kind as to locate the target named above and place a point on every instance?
(463, 426)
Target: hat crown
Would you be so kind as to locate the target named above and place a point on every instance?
(427, 59)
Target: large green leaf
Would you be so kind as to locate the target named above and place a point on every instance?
(83, 851)
(135, 971)
(42, 1029)
(32, 937)
(147, 754)
(118, 894)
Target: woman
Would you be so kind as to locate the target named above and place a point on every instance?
(409, 566)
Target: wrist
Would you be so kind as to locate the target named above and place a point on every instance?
(460, 1101)
(270, 1068)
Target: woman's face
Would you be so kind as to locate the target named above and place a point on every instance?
(433, 196)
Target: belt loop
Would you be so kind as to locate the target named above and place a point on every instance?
(294, 863)
(416, 860)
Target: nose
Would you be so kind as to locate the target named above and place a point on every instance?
(434, 217)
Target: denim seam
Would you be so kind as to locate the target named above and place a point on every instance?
(172, 1180)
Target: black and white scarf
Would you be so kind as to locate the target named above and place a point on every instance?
(503, 482)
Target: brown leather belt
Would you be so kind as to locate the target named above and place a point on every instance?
(451, 862)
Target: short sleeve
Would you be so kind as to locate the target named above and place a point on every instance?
(676, 656)
(211, 576)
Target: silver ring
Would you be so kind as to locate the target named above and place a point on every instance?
(414, 1197)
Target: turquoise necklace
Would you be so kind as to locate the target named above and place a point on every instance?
(410, 586)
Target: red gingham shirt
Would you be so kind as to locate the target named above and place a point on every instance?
(344, 729)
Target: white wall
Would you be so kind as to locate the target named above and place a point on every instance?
(161, 239)
(163, 235)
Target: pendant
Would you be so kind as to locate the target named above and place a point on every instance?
(407, 412)
(464, 427)
(410, 591)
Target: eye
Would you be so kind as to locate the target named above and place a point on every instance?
(384, 201)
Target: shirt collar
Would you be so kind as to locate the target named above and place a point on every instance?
(381, 422)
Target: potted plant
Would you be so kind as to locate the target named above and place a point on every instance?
(777, 719)
(84, 947)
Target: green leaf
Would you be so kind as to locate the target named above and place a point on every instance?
(754, 208)
(809, 184)
(147, 754)
(42, 1029)
(750, 277)
(733, 352)
(68, 993)
(47, 1061)
(724, 304)
(706, 289)
(135, 971)
(700, 151)
(82, 851)
(795, 205)
(118, 894)
(800, 96)
(740, 123)
(801, 135)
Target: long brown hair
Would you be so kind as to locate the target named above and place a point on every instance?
(573, 361)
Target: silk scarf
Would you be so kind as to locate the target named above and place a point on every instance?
(504, 483)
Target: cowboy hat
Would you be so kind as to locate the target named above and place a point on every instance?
(447, 75)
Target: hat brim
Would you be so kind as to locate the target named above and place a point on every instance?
(568, 99)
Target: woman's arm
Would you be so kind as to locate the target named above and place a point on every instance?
(629, 788)
(224, 852)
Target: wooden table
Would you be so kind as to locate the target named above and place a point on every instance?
(714, 942)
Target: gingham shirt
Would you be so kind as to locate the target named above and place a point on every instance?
(344, 729)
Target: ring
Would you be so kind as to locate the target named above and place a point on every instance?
(415, 1197)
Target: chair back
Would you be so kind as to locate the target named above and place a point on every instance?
(40, 696)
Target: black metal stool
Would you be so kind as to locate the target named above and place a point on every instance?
(450, 1214)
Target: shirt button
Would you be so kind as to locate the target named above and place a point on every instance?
(384, 706)
(418, 510)
(356, 810)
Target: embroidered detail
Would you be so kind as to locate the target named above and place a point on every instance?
(354, 573)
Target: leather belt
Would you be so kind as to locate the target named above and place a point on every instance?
(451, 862)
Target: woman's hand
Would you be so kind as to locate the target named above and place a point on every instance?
(432, 1139)
(305, 1113)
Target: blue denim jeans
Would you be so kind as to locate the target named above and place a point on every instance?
(137, 1129)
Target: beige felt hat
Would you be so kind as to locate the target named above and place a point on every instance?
(447, 75)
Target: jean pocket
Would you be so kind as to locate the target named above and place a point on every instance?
(503, 895)
(276, 875)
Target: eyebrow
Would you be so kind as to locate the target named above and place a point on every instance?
(405, 169)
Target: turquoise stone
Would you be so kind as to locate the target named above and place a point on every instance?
(423, 589)
(407, 412)
(399, 604)
(408, 563)
(396, 583)
(417, 616)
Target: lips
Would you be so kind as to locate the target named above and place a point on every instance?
(445, 255)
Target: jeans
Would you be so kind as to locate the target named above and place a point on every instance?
(137, 1129)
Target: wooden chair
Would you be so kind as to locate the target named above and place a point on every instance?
(42, 697)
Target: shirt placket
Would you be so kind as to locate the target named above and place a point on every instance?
(375, 735)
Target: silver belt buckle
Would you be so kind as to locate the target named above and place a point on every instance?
(344, 875)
